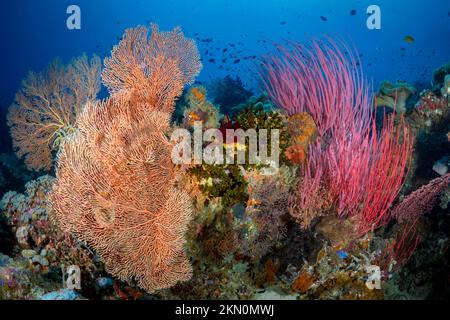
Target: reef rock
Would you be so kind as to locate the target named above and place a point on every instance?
(394, 95)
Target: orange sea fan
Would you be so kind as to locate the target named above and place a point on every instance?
(115, 191)
(45, 108)
(152, 70)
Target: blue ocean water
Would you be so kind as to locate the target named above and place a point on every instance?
(34, 32)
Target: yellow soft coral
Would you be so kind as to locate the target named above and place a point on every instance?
(303, 132)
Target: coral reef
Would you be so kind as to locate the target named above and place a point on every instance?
(36, 237)
(352, 195)
(119, 174)
(303, 132)
(117, 170)
(229, 93)
(263, 224)
(422, 200)
(439, 76)
(394, 95)
(199, 109)
(45, 108)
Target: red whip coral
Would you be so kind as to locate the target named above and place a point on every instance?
(152, 69)
(320, 80)
(352, 168)
(114, 190)
(45, 108)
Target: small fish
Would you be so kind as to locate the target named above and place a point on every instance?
(283, 22)
(409, 39)
(441, 166)
(224, 50)
(323, 18)
(353, 12)
(236, 61)
(342, 254)
(212, 60)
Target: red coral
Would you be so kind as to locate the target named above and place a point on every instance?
(351, 167)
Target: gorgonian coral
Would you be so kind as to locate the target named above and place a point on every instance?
(114, 190)
(115, 186)
(152, 69)
(45, 108)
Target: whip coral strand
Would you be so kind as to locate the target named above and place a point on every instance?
(352, 166)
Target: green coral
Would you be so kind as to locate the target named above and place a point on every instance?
(224, 181)
(257, 114)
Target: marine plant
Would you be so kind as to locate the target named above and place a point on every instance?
(115, 182)
(222, 181)
(227, 181)
(45, 108)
